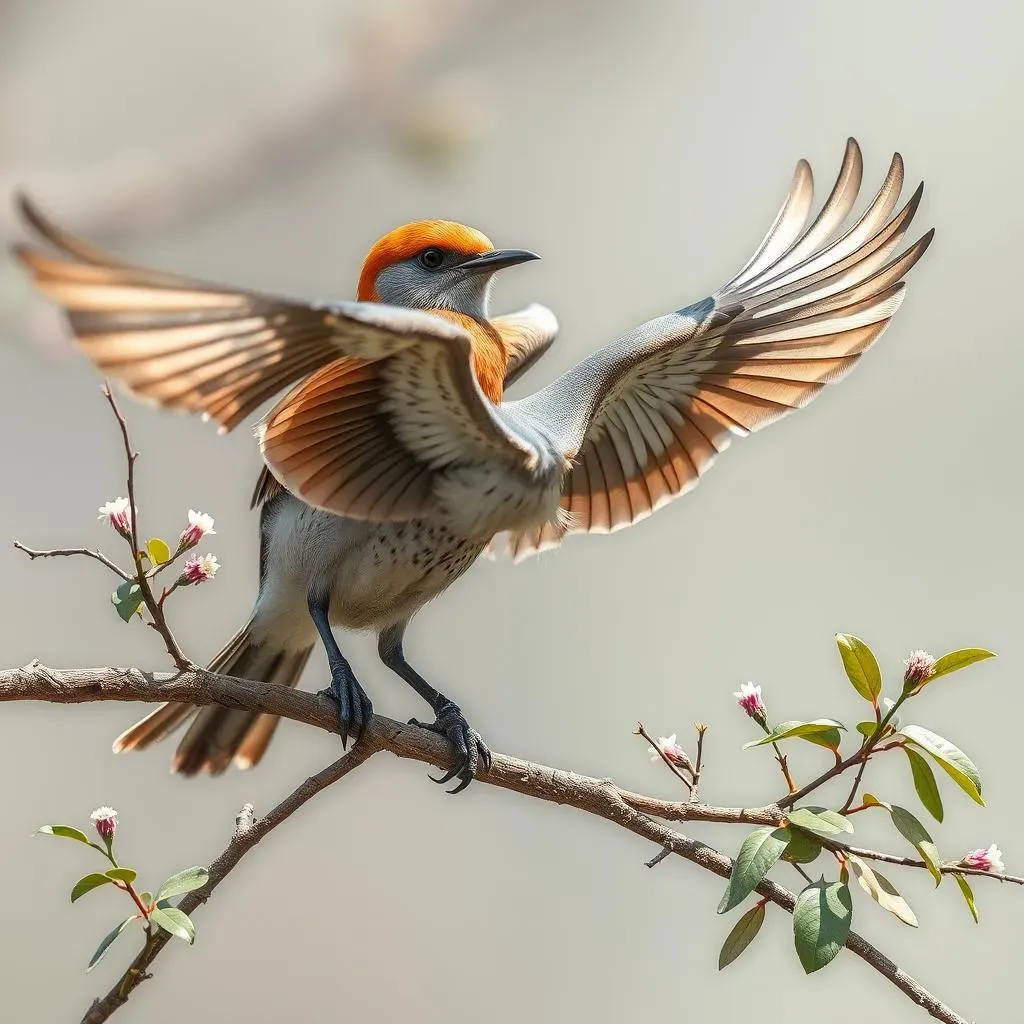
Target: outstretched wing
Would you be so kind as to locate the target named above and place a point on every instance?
(389, 401)
(647, 416)
(527, 334)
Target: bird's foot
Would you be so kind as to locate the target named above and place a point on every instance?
(470, 750)
(354, 707)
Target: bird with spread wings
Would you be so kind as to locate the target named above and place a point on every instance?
(395, 458)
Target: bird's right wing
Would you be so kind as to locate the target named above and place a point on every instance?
(644, 418)
(389, 400)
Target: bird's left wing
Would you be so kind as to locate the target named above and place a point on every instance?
(526, 334)
(645, 417)
(389, 400)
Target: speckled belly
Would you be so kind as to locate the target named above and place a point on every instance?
(376, 573)
(395, 570)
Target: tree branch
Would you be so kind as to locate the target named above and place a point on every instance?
(156, 611)
(601, 797)
(34, 553)
(248, 832)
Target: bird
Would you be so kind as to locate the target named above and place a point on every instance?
(394, 459)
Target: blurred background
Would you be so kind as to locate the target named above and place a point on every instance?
(642, 149)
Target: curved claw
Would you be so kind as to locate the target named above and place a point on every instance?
(447, 777)
(355, 709)
(469, 749)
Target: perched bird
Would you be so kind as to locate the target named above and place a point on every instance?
(394, 460)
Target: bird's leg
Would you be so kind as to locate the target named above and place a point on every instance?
(470, 750)
(354, 707)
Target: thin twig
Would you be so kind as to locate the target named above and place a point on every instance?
(34, 553)
(159, 621)
(859, 756)
(784, 765)
(699, 764)
(248, 832)
(806, 877)
(665, 851)
(866, 750)
(911, 862)
(641, 731)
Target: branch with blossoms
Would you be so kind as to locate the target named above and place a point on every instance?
(791, 833)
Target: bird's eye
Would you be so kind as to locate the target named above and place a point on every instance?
(431, 258)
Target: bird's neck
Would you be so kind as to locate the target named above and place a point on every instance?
(490, 356)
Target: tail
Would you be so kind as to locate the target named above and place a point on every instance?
(219, 735)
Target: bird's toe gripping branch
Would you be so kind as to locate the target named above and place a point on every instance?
(354, 707)
(469, 748)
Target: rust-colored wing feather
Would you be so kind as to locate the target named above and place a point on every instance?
(388, 396)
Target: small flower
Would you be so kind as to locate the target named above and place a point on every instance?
(198, 569)
(199, 525)
(920, 667)
(668, 747)
(749, 698)
(105, 820)
(985, 860)
(116, 513)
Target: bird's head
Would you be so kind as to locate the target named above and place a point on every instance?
(435, 264)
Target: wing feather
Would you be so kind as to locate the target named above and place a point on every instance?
(650, 414)
(526, 334)
(387, 401)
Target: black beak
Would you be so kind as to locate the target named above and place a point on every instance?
(497, 259)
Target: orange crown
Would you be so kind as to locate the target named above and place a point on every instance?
(410, 239)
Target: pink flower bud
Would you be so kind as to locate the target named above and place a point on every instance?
(105, 820)
(985, 860)
(920, 667)
(198, 569)
(199, 525)
(749, 699)
(116, 513)
(671, 750)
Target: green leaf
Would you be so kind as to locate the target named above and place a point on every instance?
(801, 730)
(924, 783)
(87, 883)
(66, 832)
(829, 738)
(760, 850)
(158, 550)
(122, 875)
(146, 898)
(956, 660)
(741, 936)
(867, 729)
(819, 820)
(127, 599)
(956, 764)
(108, 940)
(861, 666)
(183, 881)
(840, 821)
(917, 835)
(821, 923)
(965, 888)
(802, 848)
(881, 890)
(175, 921)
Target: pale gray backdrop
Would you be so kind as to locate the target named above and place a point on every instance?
(642, 149)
